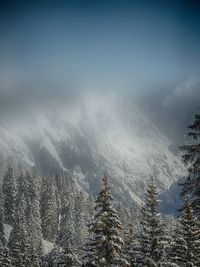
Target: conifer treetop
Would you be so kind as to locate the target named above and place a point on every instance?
(186, 248)
(105, 182)
(195, 127)
(191, 157)
(152, 238)
(106, 244)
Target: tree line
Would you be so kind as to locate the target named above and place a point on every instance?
(97, 233)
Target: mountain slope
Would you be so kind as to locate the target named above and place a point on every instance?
(92, 135)
(172, 108)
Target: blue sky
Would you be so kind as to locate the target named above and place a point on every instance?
(100, 45)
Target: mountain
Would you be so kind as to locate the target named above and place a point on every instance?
(89, 136)
(172, 109)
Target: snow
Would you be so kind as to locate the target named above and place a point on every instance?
(119, 138)
(8, 230)
(47, 246)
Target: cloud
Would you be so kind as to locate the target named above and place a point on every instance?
(173, 108)
(18, 97)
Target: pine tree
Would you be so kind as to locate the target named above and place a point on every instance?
(89, 208)
(19, 239)
(80, 223)
(152, 238)
(52, 257)
(49, 210)
(124, 215)
(105, 246)
(192, 158)
(6, 259)
(130, 246)
(35, 258)
(171, 224)
(33, 215)
(186, 249)
(2, 231)
(66, 236)
(24, 237)
(1, 252)
(8, 189)
(68, 258)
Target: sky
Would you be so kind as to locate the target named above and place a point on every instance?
(55, 49)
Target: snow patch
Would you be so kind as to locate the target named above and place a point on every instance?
(8, 228)
(47, 246)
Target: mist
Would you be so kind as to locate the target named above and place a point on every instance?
(93, 89)
(51, 54)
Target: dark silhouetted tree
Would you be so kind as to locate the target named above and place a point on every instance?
(191, 156)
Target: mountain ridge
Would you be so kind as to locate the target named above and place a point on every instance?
(92, 135)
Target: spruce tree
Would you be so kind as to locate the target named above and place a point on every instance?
(1, 252)
(130, 246)
(6, 258)
(68, 258)
(52, 257)
(191, 157)
(171, 224)
(25, 238)
(89, 208)
(33, 218)
(2, 230)
(152, 239)
(49, 210)
(186, 248)
(105, 245)
(19, 239)
(8, 189)
(66, 203)
(66, 235)
(80, 223)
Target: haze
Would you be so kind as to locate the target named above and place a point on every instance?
(54, 51)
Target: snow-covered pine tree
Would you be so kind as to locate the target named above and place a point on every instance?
(35, 258)
(105, 245)
(1, 252)
(130, 245)
(8, 189)
(19, 240)
(89, 209)
(171, 223)
(2, 230)
(80, 223)
(49, 210)
(124, 216)
(33, 218)
(152, 239)
(192, 158)
(5, 260)
(51, 258)
(68, 258)
(66, 235)
(185, 251)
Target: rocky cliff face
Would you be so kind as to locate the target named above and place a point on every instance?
(93, 135)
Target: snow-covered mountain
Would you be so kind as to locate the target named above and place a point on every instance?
(172, 108)
(93, 135)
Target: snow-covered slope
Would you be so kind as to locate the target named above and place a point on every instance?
(93, 135)
(172, 108)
